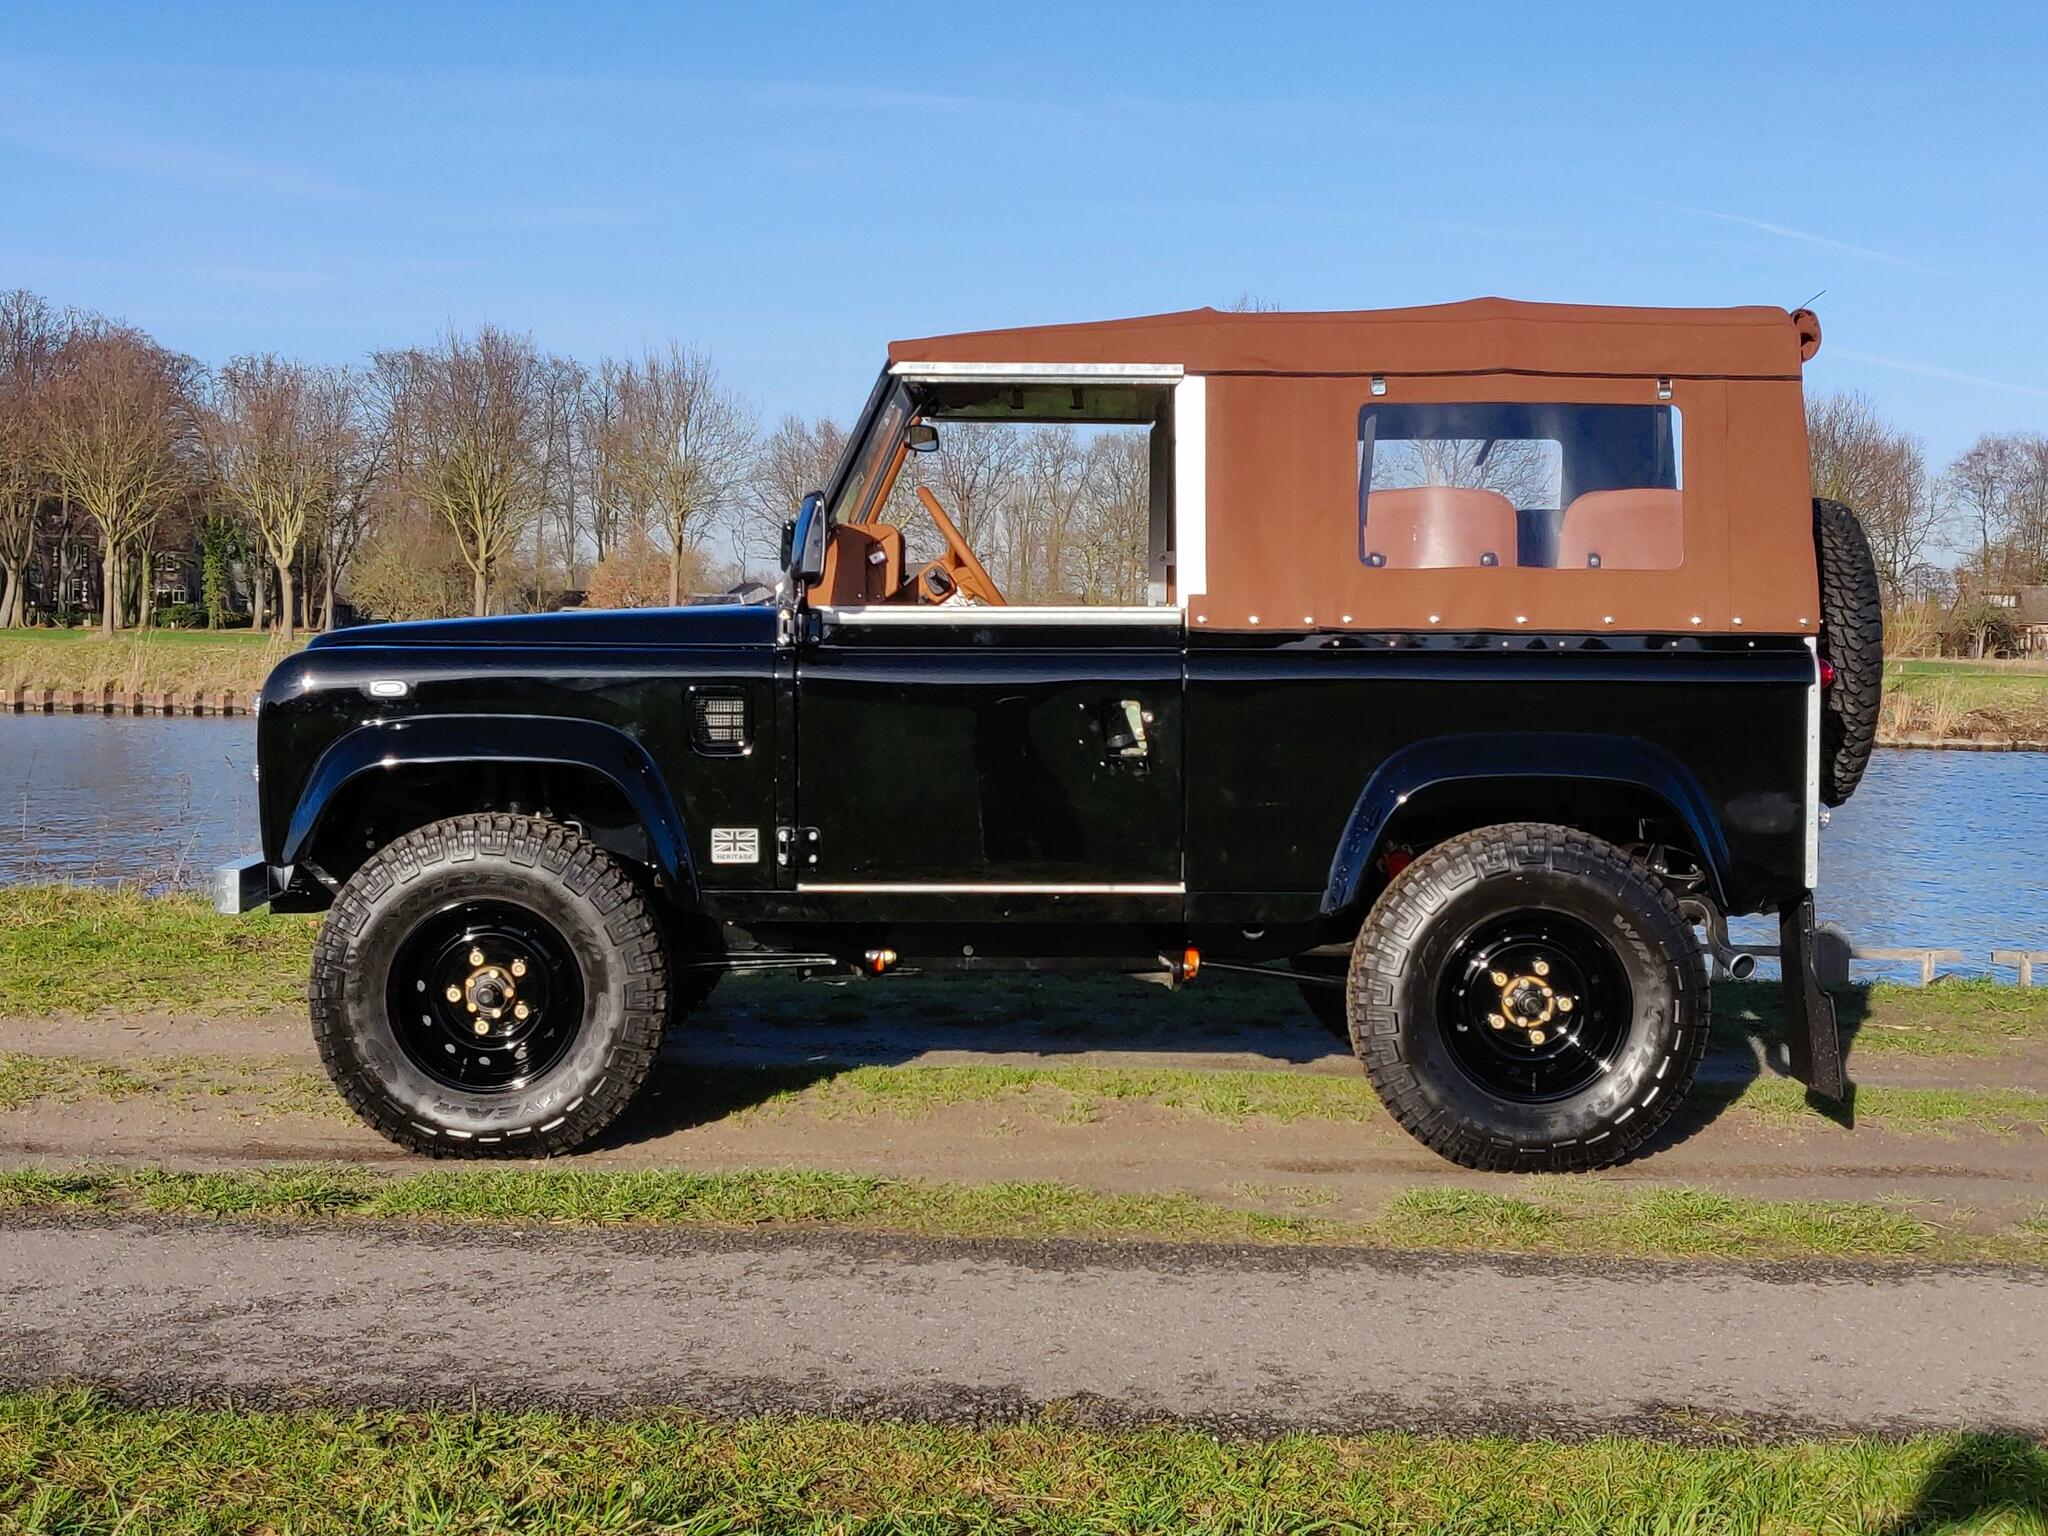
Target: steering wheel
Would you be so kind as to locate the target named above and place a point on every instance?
(958, 570)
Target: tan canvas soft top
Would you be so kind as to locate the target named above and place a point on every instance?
(1477, 336)
(1280, 520)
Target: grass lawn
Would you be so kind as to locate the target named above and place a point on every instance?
(76, 1463)
(1561, 1216)
(1927, 696)
(189, 660)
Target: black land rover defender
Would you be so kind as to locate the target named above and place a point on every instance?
(1491, 656)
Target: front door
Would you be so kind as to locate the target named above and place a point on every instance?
(991, 763)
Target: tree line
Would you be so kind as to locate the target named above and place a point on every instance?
(1989, 505)
(474, 473)
(480, 472)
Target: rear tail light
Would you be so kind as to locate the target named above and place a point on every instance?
(1827, 673)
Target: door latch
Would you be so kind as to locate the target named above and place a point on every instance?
(1125, 733)
(796, 845)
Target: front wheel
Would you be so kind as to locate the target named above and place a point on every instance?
(489, 985)
(1529, 998)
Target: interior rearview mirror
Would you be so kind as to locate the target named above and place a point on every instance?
(921, 437)
(807, 541)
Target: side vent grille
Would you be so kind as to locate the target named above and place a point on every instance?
(719, 726)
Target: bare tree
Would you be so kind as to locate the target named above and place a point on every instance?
(31, 337)
(680, 446)
(116, 427)
(361, 486)
(467, 418)
(276, 438)
(794, 460)
(1862, 460)
(1978, 487)
(1111, 543)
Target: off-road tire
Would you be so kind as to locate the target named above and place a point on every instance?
(1488, 875)
(543, 868)
(1852, 640)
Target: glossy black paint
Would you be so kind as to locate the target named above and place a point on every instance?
(606, 692)
(1279, 772)
(964, 753)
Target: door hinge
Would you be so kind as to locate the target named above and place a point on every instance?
(796, 845)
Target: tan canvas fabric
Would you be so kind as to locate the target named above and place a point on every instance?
(1284, 394)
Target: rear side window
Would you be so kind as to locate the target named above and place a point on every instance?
(1548, 486)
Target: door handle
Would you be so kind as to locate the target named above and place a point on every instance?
(1125, 736)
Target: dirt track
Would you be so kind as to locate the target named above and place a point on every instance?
(1967, 1177)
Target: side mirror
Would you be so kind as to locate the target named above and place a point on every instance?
(806, 562)
(921, 437)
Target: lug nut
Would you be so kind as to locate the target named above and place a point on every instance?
(518, 967)
(1535, 1037)
(519, 1010)
(1496, 1021)
(1564, 1005)
(476, 957)
(455, 994)
(481, 1027)
(1500, 978)
(1541, 967)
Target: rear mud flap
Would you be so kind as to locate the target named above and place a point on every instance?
(1812, 1039)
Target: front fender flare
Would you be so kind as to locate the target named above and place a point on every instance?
(544, 741)
(1511, 757)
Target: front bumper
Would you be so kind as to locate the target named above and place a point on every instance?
(245, 887)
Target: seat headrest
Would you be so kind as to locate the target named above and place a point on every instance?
(1428, 527)
(1628, 530)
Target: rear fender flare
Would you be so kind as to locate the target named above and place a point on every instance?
(451, 740)
(1509, 758)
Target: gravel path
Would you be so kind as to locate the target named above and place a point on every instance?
(836, 1323)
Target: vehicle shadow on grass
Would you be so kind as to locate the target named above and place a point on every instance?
(763, 1038)
(1982, 1482)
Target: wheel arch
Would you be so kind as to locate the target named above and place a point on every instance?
(1596, 782)
(402, 774)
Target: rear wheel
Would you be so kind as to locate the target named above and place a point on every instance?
(489, 986)
(1528, 997)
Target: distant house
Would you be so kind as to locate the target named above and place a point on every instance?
(749, 591)
(2030, 605)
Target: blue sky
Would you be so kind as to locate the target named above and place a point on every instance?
(791, 186)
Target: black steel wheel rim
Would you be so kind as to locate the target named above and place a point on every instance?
(1534, 1006)
(485, 996)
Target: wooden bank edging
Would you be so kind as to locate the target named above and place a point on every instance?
(1963, 743)
(123, 701)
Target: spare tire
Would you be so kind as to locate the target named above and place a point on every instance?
(1852, 641)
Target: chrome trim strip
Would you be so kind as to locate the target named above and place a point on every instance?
(1813, 769)
(972, 888)
(1039, 373)
(1006, 617)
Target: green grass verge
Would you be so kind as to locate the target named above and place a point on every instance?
(77, 1463)
(67, 948)
(189, 660)
(1543, 1216)
(186, 1082)
(1947, 699)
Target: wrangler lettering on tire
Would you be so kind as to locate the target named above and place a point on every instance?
(1528, 998)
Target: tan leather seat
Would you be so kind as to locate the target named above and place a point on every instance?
(1431, 527)
(863, 564)
(1632, 530)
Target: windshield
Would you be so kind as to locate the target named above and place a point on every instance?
(873, 452)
